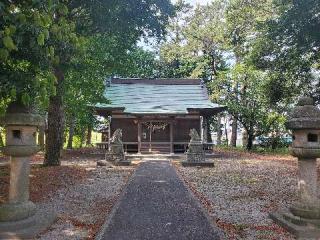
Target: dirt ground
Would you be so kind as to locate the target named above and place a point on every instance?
(81, 193)
(242, 189)
(239, 192)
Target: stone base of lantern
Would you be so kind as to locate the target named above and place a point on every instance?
(122, 163)
(302, 228)
(27, 228)
(195, 157)
(114, 157)
(198, 164)
(308, 212)
(16, 211)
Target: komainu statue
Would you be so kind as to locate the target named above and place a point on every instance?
(195, 151)
(194, 136)
(116, 152)
(116, 137)
(196, 155)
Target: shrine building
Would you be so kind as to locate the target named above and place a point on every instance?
(156, 115)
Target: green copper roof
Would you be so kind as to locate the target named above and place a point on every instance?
(144, 98)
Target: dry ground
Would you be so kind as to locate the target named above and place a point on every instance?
(242, 189)
(81, 193)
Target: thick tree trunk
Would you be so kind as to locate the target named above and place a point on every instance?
(250, 141)
(71, 132)
(274, 143)
(219, 132)
(89, 134)
(234, 128)
(41, 137)
(54, 140)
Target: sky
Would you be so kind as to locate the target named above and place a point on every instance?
(194, 2)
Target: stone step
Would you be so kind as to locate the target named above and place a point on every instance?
(139, 157)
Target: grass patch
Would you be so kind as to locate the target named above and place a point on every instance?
(260, 150)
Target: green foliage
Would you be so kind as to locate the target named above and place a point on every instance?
(196, 43)
(138, 63)
(271, 51)
(242, 90)
(107, 48)
(287, 47)
(67, 48)
(23, 61)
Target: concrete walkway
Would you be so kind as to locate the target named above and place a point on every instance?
(157, 205)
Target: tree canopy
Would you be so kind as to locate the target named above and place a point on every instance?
(257, 57)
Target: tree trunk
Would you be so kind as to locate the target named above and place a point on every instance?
(209, 137)
(219, 132)
(71, 131)
(54, 140)
(1, 139)
(82, 139)
(226, 132)
(89, 134)
(244, 137)
(41, 137)
(250, 141)
(234, 128)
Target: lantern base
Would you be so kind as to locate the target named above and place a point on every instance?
(16, 211)
(27, 228)
(308, 212)
(197, 164)
(302, 228)
(122, 163)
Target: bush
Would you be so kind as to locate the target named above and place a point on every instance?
(273, 142)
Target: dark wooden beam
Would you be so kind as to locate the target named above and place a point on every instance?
(139, 136)
(171, 137)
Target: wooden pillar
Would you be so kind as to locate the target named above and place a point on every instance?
(201, 128)
(205, 129)
(109, 132)
(171, 138)
(139, 137)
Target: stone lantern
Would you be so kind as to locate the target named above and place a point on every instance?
(303, 219)
(19, 216)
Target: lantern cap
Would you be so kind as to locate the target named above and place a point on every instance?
(305, 115)
(19, 114)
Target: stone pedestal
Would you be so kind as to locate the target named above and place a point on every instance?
(195, 155)
(308, 205)
(303, 217)
(17, 216)
(19, 207)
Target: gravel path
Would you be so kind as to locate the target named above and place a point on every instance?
(82, 208)
(239, 194)
(156, 205)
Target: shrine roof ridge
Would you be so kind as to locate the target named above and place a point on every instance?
(156, 81)
(157, 96)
